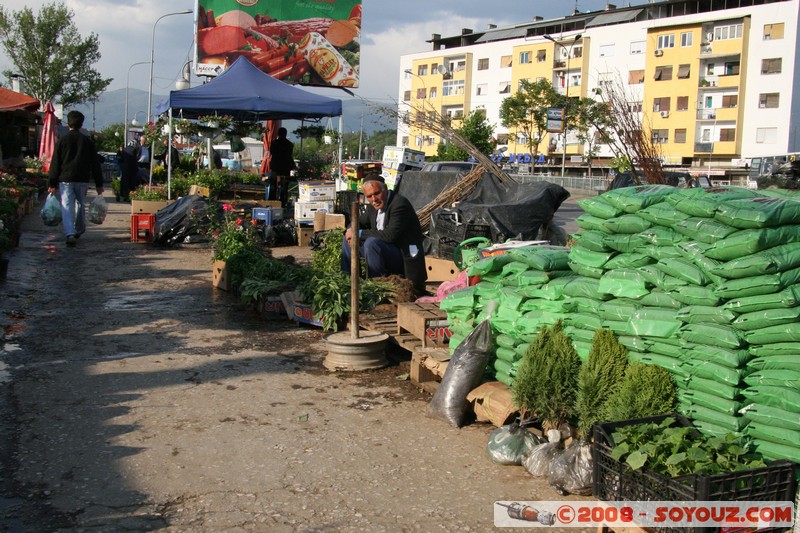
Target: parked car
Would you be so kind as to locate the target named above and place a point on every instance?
(671, 177)
(449, 166)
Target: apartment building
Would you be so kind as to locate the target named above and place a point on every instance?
(714, 81)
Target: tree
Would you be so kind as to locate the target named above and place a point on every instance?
(526, 111)
(110, 138)
(50, 54)
(476, 129)
(589, 118)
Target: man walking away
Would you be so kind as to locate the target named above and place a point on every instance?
(74, 163)
(281, 164)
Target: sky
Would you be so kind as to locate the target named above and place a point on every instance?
(390, 29)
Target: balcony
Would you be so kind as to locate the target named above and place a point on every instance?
(704, 147)
(707, 114)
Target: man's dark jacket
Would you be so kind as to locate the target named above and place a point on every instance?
(75, 160)
(401, 228)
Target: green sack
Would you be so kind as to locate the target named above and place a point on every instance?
(775, 348)
(774, 396)
(653, 322)
(712, 335)
(659, 252)
(671, 364)
(711, 401)
(711, 387)
(526, 279)
(778, 435)
(691, 295)
(632, 342)
(772, 416)
(623, 283)
(591, 240)
(486, 290)
(544, 258)
(506, 341)
(598, 206)
(554, 306)
(589, 222)
(634, 199)
(788, 379)
(629, 260)
(662, 348)
(717, 354)
(617, 310)
(579, 334)
(587, 271)
(505, 367)
(583, 286)
(752, 286)
(489, 264)
(619, 327)
(625, 242)
(704, 414)
(771, 261)
(705, 314)
(758, 212)
(657, 277)
(581, 304)
(789, 297)
(662, 214)
(683, 270)
(766, 318)
(774, 451)
(589, 258)
(658, 298)
(781, 333)
(694, 252)
(460, 299)
(776, 362)
(583, 349)
(583, 321)
(713, 430)
(703, 229)
(750, 241)
(627, 224)
(715, 372)
(661, 236)
(701, 202)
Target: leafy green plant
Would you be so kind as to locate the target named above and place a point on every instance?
(156, 193)
(646, 390)
(231, 233)
(328, 257)
(674, 451)
(599, 378)
(329, 295)
(546, 383)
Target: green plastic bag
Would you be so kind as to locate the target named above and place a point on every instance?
(701, 229)
(526, 279)
(589, 222)
(504, 378)
(711, 401)
(589, 258)
(629, 224)
(771, 261)
(716, 354)
(776, 362)
(711, 387)
(661, 236)
(658, 298)
(789, 297)
(489, 264)
(632, 342)
(634, 199)
(662, 214)
(781, 333)
(712, 335)
(625, 242)
(731, 423)
(583, 286)
(787, 379)
(715, 372)
(752, 286)
(662, 348)
(591, 240)
(587, 271)
(617, 310)
(579, 334)
(461, 299)
(501, 365)
(623, 283)
(713, 430)
(774, 396)
(659, 252)
(654, 322)
(629, 260)
(750, 241)
(772, 416)
(774, 451)
(766, 318)
(583, 321)
(543, 258)
(695, 252)
(598, 206)
(700, 202)
(691, 295)
(705, 314)
(506, 341)
(581, 304)
(775, 348)
(684, 270)
(758, 212)
(583, 349)
(619, 327)
(657, 277)
(778, 435)
(671, 364)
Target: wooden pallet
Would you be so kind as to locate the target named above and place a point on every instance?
(425, 321)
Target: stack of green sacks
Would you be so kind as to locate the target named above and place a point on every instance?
(526, 283)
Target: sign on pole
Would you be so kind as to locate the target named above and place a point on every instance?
(555, 119)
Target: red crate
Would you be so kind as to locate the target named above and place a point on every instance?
(142, 222)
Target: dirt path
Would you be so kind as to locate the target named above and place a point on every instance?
(136, 397)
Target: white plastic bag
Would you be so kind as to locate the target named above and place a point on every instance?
(98, 210)
(51, 212)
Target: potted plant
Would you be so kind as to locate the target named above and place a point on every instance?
(149, 199)
(230, 234)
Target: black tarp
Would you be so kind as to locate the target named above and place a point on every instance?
(421, 188)
(182, 221)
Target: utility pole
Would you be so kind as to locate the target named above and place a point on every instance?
(361, 133)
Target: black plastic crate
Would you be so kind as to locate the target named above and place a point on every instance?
(616, 481)
(447, 225)
(446, 248)
(477, 230)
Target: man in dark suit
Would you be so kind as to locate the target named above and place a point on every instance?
(390, 236)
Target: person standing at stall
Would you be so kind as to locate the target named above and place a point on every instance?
(281, 164)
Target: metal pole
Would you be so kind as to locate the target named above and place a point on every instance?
(355, 274)
(152, 58)
(127, 86)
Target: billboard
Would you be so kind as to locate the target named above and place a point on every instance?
(306, 42)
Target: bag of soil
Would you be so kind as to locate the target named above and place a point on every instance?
(509, 444)
(571, 472)
(539, 458)
(464, 373)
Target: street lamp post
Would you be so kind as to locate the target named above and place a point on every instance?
(152, 58)
(127, 85)
(425, 87)
(566, 80)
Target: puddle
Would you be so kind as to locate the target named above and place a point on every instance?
(128, 302)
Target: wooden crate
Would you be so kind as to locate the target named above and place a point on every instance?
(425, 321)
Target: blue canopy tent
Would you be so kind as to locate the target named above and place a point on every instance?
(248, 95)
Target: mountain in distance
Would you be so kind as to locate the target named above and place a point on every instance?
(110, 109)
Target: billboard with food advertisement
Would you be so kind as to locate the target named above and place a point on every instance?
(306, 42)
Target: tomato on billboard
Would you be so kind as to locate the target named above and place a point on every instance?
(306, 42)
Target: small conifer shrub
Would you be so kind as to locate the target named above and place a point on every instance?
(646, 390)
(600, 376)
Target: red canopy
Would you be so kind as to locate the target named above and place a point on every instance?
(12, 101)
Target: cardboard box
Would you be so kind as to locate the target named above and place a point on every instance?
(493, 402)
(440, 269)
(316, 191)
(202, 191)
(297, 310)
(304, 211)
(272, 307)
(148, 206)
(324, 221)
(219, 276)
(304, 234)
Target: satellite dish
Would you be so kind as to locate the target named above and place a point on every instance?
(441, 69)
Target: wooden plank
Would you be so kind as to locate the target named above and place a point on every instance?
(418, 372)
(423, 320)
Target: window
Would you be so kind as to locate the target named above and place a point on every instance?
(732, 68)
(730, 100)
(663, 73)
(422, 70)
(686, 39)
(638, 47)
(766, 135)
(635, 107)
(505, 61)
(660, 136)
(460, 65)
(607, 50)
(419, 116)
(682, 103)
(434, 67)
(524, 58)
(680, 135)
(773, 31)
(769, 100)
(727, 134)
(661, 104)
(604, 79)
(432, 93)
(710, 69)
(771, 66)
(407, 96)
(684, 71)
(732, 31)
(635, 77)
(575, 80)
(522, 82)
(421, 94)
(481, 89)
(666, 41)
(541, 56)
(521, 138)
(483, 63)
(577, 51)
(706, 136)
(505, 87)
(453, 87)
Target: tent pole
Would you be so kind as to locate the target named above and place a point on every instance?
(168, 159)
(341, 148)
